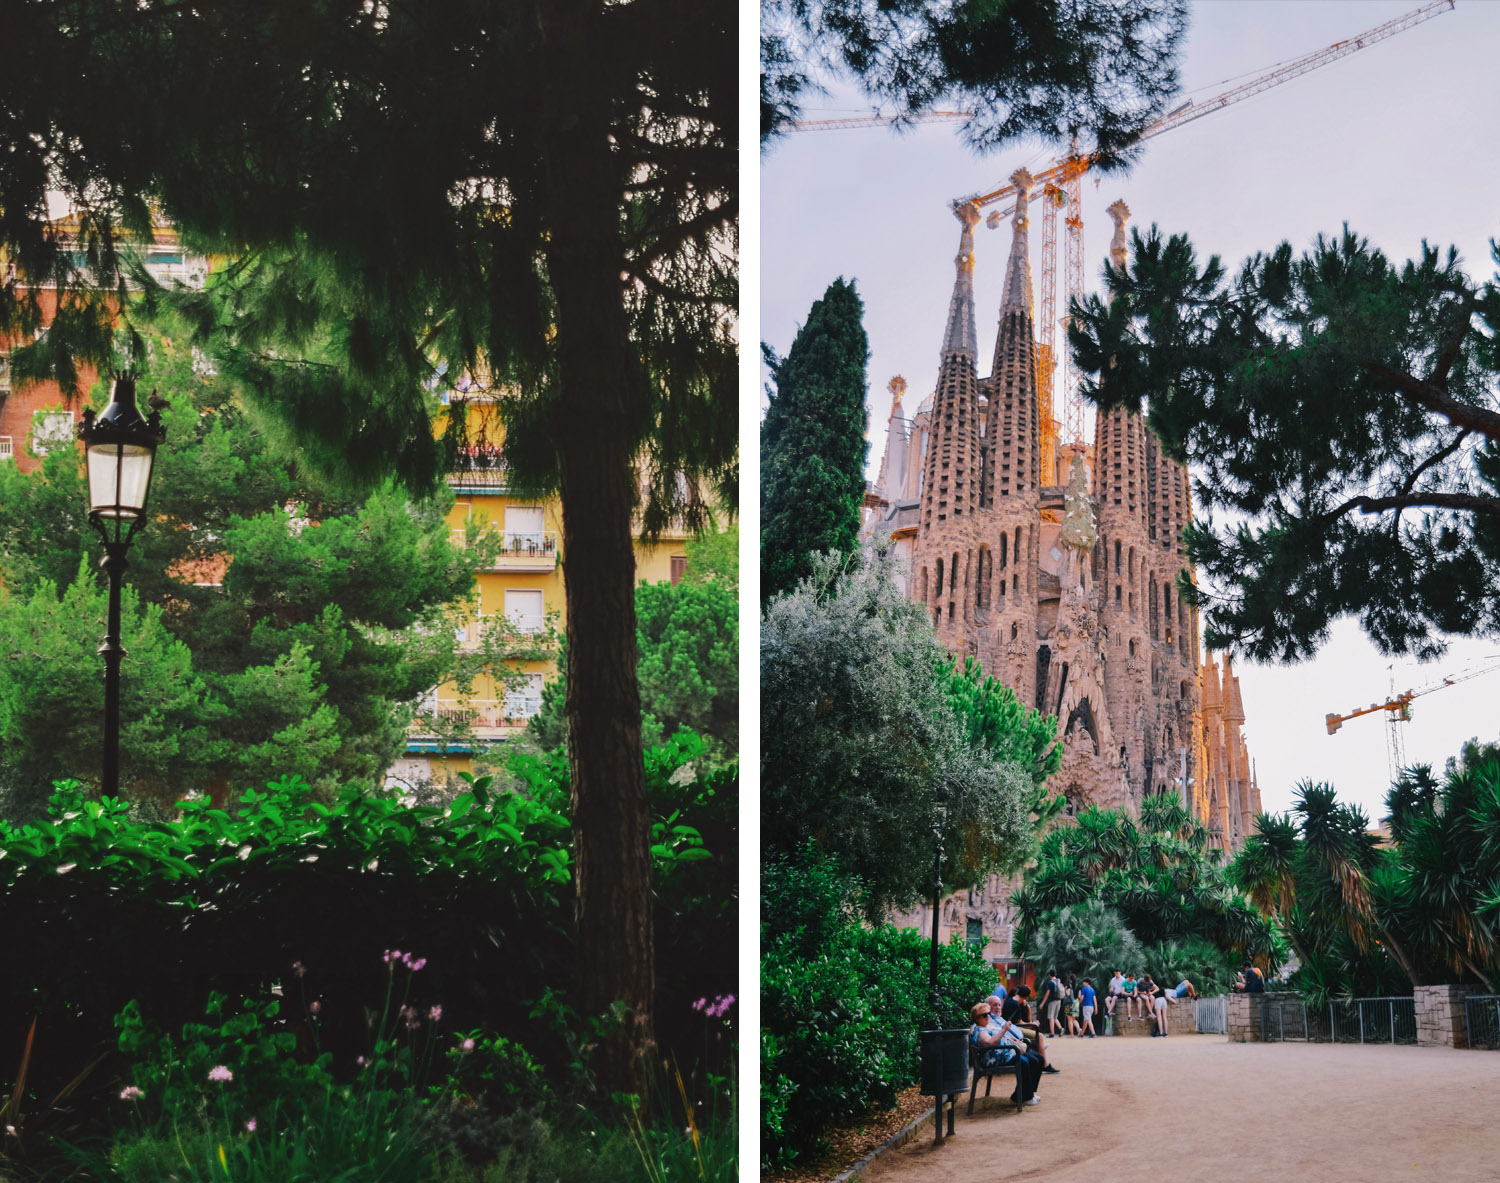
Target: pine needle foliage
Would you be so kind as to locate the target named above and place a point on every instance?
(1340, 407)
(1100, 70)
(539, 194)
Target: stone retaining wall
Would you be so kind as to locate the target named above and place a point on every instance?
(1180, 1021)
(1441, 1021)
(1243, 1011)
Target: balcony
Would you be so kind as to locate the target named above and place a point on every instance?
(517, 630)
(487, 718)
(533, 551)
(480, 466)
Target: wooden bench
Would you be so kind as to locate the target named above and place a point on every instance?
(989, 1074)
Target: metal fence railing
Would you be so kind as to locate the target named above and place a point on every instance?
(1284, 1020)
(1373, 1020)
(1482, 1019)
(1211, 1015)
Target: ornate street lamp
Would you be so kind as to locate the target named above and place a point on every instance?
(120, 445)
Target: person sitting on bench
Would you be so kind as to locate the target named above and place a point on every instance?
(1017, 1009)
(1001, 1043)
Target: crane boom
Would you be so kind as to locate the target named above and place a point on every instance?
(854, 121)
(1190, 111)
(1400, 704)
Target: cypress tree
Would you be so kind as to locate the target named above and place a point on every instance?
(812, 442)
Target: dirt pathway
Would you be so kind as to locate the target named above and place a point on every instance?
(1199, 1107)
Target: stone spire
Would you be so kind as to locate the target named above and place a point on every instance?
(893, 464)
(1078, 531)
(962, 335)
(1119, 213)
(1018, 269)
(1234, 709)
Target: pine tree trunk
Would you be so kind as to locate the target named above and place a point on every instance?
(611, 822)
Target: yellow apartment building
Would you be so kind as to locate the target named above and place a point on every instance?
(520, 594)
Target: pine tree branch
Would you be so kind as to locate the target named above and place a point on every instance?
(1455, 342)
(1436, 458)
(1466, 502)
(1434, 398)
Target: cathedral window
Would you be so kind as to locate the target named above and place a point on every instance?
(1015, 630)
(1117, 589)
(940, 577)
(1117, 553)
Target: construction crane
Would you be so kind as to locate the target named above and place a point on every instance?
(1059, 189)
(858, 121)
(1398, 708)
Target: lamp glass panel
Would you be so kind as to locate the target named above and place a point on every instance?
(119, 477)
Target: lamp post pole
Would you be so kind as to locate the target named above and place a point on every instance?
(937, 902)
(120, 451)
(113, 565)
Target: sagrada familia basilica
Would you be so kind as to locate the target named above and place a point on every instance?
(1059, 573)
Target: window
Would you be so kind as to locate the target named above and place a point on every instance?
(975, 933)
(51, 429)
(525, 609)
(4, 374)
(523, 698)
(523, 527)
(7, 448)
(679, 568)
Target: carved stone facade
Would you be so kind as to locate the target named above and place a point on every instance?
(1068, 593)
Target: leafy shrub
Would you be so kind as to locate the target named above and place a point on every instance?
(110, 907)
(1088, 939)
(842, 1003)
(1210, 969)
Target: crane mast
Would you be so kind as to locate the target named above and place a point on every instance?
(1059, 188)
(1398, 711)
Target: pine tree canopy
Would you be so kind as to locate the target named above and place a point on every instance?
(538, 194)
(1100, 70)
(1343, 409)
(812, 441)
(391, 183)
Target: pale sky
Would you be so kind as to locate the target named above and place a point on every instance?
(1400, 140)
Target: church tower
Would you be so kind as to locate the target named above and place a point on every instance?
(1012, 471)
(1120, 490)
(946, 559)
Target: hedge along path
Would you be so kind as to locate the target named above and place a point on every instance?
(1199, 1107)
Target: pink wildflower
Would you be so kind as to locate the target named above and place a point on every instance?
(467, 1045)
(221, 1074)
(413, 1020)
(250, 1126)
(435, 1013)
(360, 1060)
(413, 963)
(131, 1093)
(701, 1004)
(315, 1005)
(299, 969)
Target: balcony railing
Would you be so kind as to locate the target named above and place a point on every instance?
(519, 627)
(528, 550)
(480, 465)
(484, 716)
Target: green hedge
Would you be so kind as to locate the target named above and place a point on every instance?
(841, 1004)
(101, 909)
